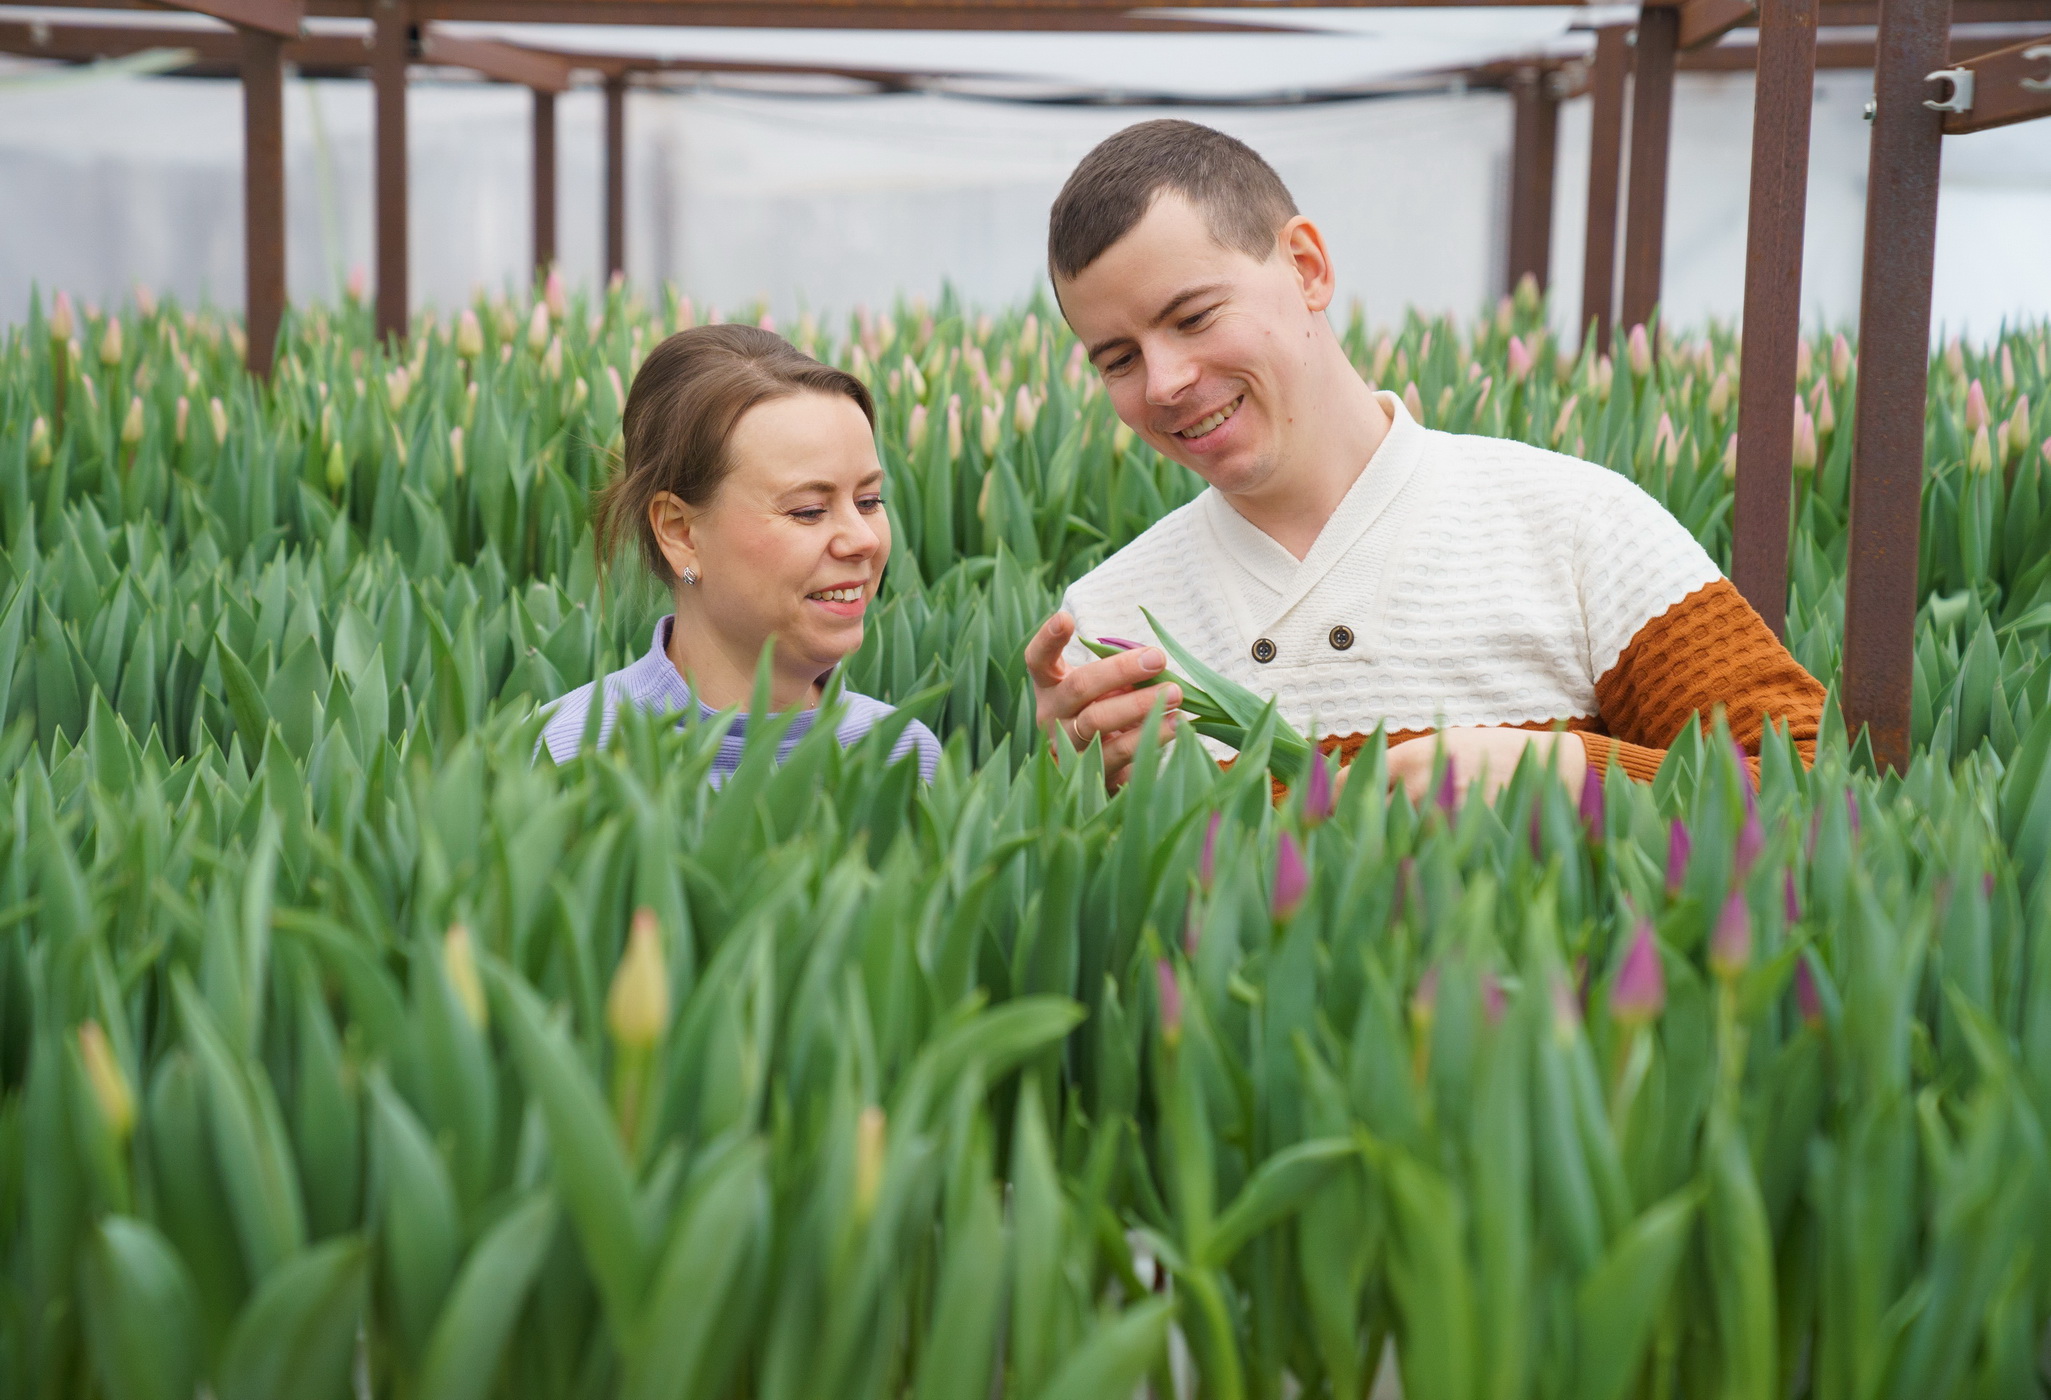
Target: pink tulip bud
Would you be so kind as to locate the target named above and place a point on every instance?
(1805, 438)
(1840, 359)
(1791, 903)
(1520, 360)
(553, 296)
(1493, 1002)
(1638, 351)
(1730, 942)
(1976, 407)
(359, 282)
(1119, 642)
(1851, 809)
(62, 321)
(1808, 1000)
(1639, 993)
(1207, 866)
(1170, 992)
(1751, 841)
(1678, 846)
(1592, 797)
(1412, 401)
(1291, 879)
(1317, 791)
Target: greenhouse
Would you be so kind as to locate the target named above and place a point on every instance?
(1581, 933)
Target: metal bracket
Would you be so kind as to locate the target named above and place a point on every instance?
(1961, 98)
(2037, 84)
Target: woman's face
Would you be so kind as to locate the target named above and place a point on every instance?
(793, 543)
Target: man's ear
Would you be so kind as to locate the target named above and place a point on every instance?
(1302, 246)
(675, 526)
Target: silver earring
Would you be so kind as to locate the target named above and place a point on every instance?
(691, 578)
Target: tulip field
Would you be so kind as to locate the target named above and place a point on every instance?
(346, 1051)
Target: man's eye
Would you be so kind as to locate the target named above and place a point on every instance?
(1192, 322)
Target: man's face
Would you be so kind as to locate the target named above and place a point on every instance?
(1204, 350)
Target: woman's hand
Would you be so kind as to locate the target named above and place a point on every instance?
(1484, 755)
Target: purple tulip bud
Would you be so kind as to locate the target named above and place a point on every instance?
(1192, 929)
(1730, 943)
(1987, 886)
(1492, 999)
(1291, 879)
(1745, 783)
(1751, 841)
(1592, 802)
(1121, 643)
(1207, 866)
(1639, 993)
(1851, 808)
(1808, 1000)
(1537, 834)
(1171, 1002)
(1448, 796)
(1317, 791)
(1789, 899)
(1678, 847)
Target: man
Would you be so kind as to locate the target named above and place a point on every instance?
(1363, 569)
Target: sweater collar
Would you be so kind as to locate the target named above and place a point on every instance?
(1386, 473)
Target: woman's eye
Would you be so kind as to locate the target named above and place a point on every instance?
(869, 504)
(811, 515)
(1118, 364)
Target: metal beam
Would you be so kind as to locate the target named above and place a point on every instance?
(1533, 143)
(1605, 160)
(1652, 110)
(263, 195)
(615, 175)
(284, 19)
(1781, 99)
(1894, 365)
(2009, 85)
(391, 48)
(1706, 21)
(544, 182)
(506, 63)
(1834, 55)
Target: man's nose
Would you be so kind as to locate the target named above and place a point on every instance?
(1168, 375)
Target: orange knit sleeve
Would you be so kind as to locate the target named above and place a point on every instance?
(1710, 649)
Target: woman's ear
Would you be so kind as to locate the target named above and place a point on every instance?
(675, 527)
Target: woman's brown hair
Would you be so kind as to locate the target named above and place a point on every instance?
(688, 395)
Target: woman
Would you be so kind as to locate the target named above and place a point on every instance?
(751, 483)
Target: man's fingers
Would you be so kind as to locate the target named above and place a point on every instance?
(1043, 652)
(1122, 711)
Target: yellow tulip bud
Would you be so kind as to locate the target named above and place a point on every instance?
(62, 322)
(459, 964)
(953, 426)
(110, 343)
(637, 1006)
(469, 336)
(538, 329)
(178, 420)
(217, 416)
(992, 427)
(552, 362)
(338, 469)
(1024, 410)
(39, 452)
(870, 1144)
(1980, 456)
(456, 452)
(109, 1085)
(131, 424)
(398, 384)
(1720, 396)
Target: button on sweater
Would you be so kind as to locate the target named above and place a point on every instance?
(1476, 581)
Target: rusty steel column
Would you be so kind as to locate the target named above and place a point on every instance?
(1652, 110)
(544, 181)
(615, 174)
(391, 48)
(1894, 372)
(1784, 89)
(1605, 167)
(263, 194)
(1533, 143)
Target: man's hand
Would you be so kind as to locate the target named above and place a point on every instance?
(1484, 755)
(1098, 700)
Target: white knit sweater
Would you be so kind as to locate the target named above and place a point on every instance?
(1482, 581)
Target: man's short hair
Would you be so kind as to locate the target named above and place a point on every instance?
(1240, 196)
